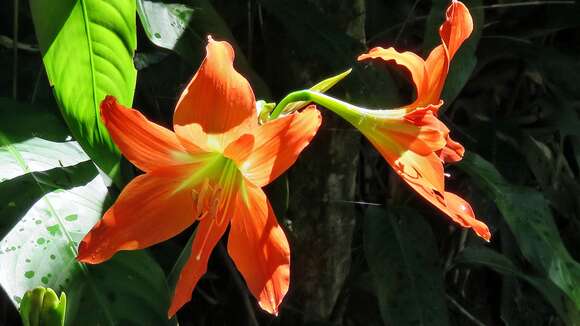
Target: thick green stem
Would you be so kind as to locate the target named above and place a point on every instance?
(343, 109)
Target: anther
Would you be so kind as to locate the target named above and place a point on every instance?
(203, 193)
(214, 208)
(195, 198)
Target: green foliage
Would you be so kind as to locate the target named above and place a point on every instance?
(184, 28)
(54, 196)
(501, 264)
(87, 47)
(511, 97)
(527, 214)
(402, 256)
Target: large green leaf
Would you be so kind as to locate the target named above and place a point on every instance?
(43, 148)
(464, 61)
(63, 196)
(402, 255)
(87, 48)
(501, 264)
(183, 28)
(529, 217)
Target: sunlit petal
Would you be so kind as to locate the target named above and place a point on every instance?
(149, 210)
(414, 64)
(259, 248)
(144, 143)
(276, 146)
(208, 233)
(218, 98)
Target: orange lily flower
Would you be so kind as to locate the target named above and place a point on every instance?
(210, 169)
(411, 139)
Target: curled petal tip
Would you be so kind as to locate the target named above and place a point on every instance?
(108, 99)
(270, 307)
(362, 57)
(171, 312)
(108, 102)
(483, 232)
(83, 256)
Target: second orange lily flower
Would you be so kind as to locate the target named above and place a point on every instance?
(210, 169)
(411, 139)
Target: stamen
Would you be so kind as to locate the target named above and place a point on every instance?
(202, 216)
(195, 198)
(203, 194)
(203, 243)
(214, 209)
(221, 210)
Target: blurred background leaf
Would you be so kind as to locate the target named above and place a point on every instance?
(486, 257)
(528, 216)
(403, 258)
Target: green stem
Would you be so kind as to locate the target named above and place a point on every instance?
(343, 109)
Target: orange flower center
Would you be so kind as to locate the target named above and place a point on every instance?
(213, 188)
(207, 199)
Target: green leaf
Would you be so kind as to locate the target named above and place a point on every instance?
(129, 289)
(87, 48)
(501, 264)
(184, 28)
(173, 276)
(529, 217)
(464, 61)
(402, 255)
(165, 23)
(50, 162)
(59, 209)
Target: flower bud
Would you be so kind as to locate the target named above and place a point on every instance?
(42, 307)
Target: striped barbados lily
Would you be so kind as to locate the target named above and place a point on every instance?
(210, 169)
(411, 139)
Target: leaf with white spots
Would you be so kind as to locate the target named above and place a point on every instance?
(52, 196)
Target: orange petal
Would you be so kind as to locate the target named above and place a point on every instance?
(276, 146)
(218, 98)
(259, 249)
(144, 143)
(148, 211)
(409, 150)
(426, 169)
(457, 27)
(240, 149)
(192, 137)
(455, 30)
(452, 205)
(207, 235)
(420, 131)
(452, 152)
(458, 207)
(414, 63)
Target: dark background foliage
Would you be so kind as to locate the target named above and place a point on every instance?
(366, 249)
